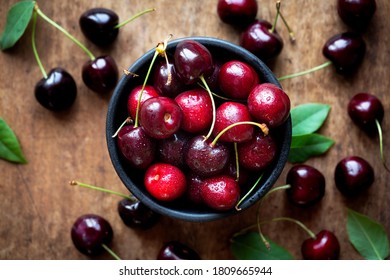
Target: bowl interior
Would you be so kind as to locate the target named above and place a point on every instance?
(133, 178)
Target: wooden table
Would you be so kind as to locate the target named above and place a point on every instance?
(37, 204)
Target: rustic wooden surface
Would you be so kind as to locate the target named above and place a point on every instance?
(38, 206)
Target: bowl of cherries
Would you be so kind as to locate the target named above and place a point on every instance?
(198, 129)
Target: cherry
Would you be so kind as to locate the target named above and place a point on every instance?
(353, 175)
(134, 96)
(175, 250)
(346, 51)
(324, 247)
(90, 232)
(192, 61)
(269, 104)
(356, 14)
(220, 192)
(165, 79)
(165, 182)
(196, 107)
(307, 185)
(237, 12)
(135, 214)
(236, 79)
(171, 150)
(257, 153)
(136, 146)
(98, 25)
(193, 193)
(160, 117)
(229, 113)
(100, 74)
(58, 91)
(206, 159)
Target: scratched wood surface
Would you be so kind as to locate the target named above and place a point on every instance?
(38, 206)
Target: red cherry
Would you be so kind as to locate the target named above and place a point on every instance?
(356, 14)
(324, 247)
(132, 101)
(175, 250)
(165, 182)
(237, 12)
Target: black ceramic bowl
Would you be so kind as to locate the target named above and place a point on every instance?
(133, 179)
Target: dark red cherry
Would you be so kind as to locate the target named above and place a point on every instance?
(324, 247)
(259, 40)
(165, 79)
(58, 91)
(307, 185)
(269, 104)
(135, 214)
(100, 74)
(175, 250)
(353, 175)
(132, 101)
(237, 12)
(365, 109)
(171, 150)
(236, 79)
(346, 51)
(136, 146)
(192, 60)
(89, 232)
(98, 24)
(160, 117)
(357, 14)
(205, 159)
(193, 193)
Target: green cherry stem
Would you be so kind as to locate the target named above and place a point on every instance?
(121, 24)
(272, 30)
(324, 65)
(378, 125)
(34, 47)
(248, 193)
(111, 252)
(236, 161)
(76, 183)
(212, 105)
(290, 31)
(60, 28)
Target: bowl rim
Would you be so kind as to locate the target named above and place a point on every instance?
(161, 207)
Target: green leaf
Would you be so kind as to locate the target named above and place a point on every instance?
(9, 145)
(308, 118)
(305, 146)
(18, 17)
(367, 236)
(249, 246)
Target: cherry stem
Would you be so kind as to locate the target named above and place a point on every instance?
(60, 28)
(272, 30)
(119, 25)
(127, 121)
(324, 65)
(34, 47)
(222, 97)
(213, 107)
(287, 219)
(111, 252)
(290, 31)
(378, 125)
(249, 192)
(76, 183)
(236, 162)
(263, 128)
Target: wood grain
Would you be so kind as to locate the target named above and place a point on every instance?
(38, 206)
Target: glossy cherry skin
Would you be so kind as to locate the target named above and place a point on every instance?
(237, 12)
(192, 60)
(132, 101)
(165, 182)
(353, 175)
(324, 247)
(160, 117)
(220, 193)
(58, 91)
(365, 109)
(89, 232)
(175, 250)
(137, 215)
(136, 146)
(194, 184)
(229, 113)
(100, 74)
(165, 79)
(236, 79)
(258, 39)
(357, 14)
(346, 51)
(269, 104)
(98, 24)
(307, 185)
(171, 150)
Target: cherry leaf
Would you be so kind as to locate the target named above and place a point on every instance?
(249, 246)
(305, 146)
(9, 145)
(367, 236)
(18, 17)
(308, 118)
